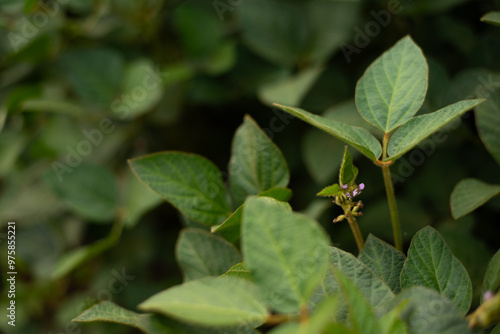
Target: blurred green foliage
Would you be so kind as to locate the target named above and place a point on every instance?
(86, 85)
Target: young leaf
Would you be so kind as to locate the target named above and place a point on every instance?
(426, 312)
(492, 276)
(430, 263)
(110, 312)
(469, 194)
(488, 124)
(190, 182)
(211, 301)
(348, 171)
(286, 252)
(359, 138)
(89, 190)
(492, 18)
(385, 261)
(256, 162)
(230, 228)
(418, 128)
(393, 88)
(239, 270)
(202, 254)
(330, 191)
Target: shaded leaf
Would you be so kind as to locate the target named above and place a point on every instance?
(418, 128)
(89, 190)
(190, 182)
(290, 90)
(222, 301)
(393, 88)
(492, 18)
(202, 254)
(77, 257)
(426, 311)
(143, 85)
(359, 138)
(430, 263)
(286, 252)
(492, 275)
(256, 162)
(469, 194)
(385, 261)
(488, 124)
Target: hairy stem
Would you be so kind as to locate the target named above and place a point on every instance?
(356, 232)
(393, 208)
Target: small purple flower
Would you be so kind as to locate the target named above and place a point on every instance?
(361, 186)
(355, 192)
(488, 295)
(348, 195)
(344, 186)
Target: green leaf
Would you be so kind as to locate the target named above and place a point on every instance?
(286, 252)
(76, 257)
(95, 74)
(307, 31)
(230, 228)
(256, 163)
(359, 138)
(426, 311)
(492, 275)
(144, 87)
(372, 287)
(89, 190)
(53, 105)
(360, 311)
(418, 128)
(190, 182)
(488, 124)
(430, 263)
(496, 330)
(393, 88)
(469, 194)
(348, 171)
(222, 301)
(290, 90)
(385, 261)
(330, 191)
(240, 271)
(201, 254)
(492, 18)
(110, 312)
(138, 200)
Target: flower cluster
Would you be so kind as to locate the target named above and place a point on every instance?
(345, 200)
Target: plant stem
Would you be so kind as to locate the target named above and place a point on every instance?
(393, 208)
(356, 232)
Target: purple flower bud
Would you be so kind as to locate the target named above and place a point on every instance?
(361, 186)
(488, 295)
(344, 186)
(355, 192)
(348, 195)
